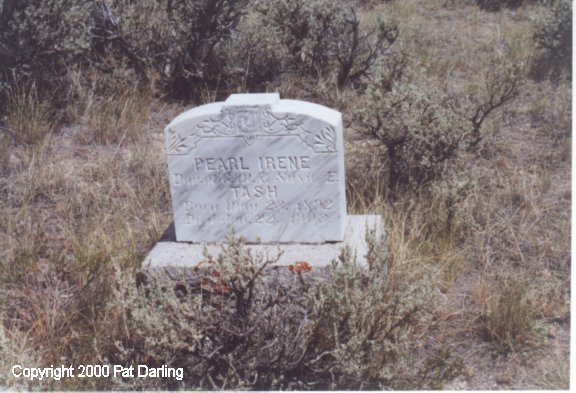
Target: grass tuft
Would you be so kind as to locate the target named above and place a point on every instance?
(118, 117)
(509, 315)
(29, 115)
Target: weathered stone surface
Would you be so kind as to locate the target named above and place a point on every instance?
(266, 169)
(171, 256)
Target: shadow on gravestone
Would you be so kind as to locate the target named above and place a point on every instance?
(263, 168)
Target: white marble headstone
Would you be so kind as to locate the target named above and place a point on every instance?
(266, 169)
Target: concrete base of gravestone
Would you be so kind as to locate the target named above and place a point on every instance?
(169, 256)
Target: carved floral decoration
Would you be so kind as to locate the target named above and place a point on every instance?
(249, 123)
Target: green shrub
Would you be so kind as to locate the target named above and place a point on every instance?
(39, 39)
(440, 367)
(254, 58)
(181, 41)
(499, 86)
(216, 327)
(554, 36)
(362, 322)
(324, 39)
(421, 128)
(236, 325)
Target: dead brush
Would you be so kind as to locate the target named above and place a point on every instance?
(423, 232)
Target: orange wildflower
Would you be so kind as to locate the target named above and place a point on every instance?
(211, 278)
(300, 267)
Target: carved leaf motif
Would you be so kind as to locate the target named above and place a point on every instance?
(249, 139)
(293, 126)
(226, 124)
(326, 140)
(216, 125)
(282, 124)
(176, 142)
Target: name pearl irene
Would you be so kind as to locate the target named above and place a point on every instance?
(267, 163)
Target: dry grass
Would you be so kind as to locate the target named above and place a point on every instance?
(6, 139)
(118, 117)
(73, 214)
(508, 314)
(29, 115)
(555, 376)
(111, 109)
(514, 218)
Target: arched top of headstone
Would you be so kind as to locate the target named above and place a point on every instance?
(268, 169)
(263, 99)
(250, 116)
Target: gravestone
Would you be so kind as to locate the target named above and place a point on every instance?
(266, 169)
